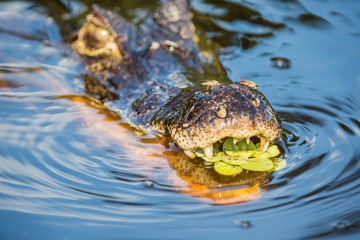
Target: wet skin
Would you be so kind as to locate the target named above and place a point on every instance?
(139, 74)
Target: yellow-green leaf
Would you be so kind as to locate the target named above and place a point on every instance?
(262, 155)
(226, 169)
(278, 164)
(240, 154)
(199, 152)
(232, 160)
(242, 145)
(273, 150)
(257, 164)
(229, 145)
(251, 146)
(215, 158)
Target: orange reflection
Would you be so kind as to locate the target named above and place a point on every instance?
(186, 177)
(222, 197)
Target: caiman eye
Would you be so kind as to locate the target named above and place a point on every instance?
(96, 42)
(94, 36)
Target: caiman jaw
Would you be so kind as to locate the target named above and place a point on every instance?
(199, 118)
(208, 150)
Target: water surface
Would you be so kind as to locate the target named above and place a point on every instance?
(71, 170)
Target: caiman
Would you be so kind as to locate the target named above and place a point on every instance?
(141, 73)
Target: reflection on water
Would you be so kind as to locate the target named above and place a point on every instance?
(70, 168)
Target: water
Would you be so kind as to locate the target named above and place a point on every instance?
(71, 170)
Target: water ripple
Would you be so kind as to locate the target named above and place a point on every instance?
(73, 165)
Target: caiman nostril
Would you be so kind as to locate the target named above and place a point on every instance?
(221, 111)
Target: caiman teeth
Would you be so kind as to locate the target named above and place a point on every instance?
(264, 144)
(247, 140)
(235, 140)
(209, 151)
(191, 154)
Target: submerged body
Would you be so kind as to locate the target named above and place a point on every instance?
(139, 73)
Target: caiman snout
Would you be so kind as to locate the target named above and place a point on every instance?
(220, 111)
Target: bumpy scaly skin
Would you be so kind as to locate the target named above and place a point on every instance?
(201, 117)
(146, 85)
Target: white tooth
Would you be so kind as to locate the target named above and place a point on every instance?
(191, 154)
(235, 140)
(209, 151)
(264, 144)
(247, 140)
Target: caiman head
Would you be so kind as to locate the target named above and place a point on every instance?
(199, 118)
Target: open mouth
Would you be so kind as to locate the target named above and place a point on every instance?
(231, 156)
(237, 145)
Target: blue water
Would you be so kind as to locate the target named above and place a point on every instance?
(71, 170)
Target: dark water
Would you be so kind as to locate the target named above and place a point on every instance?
(70, 170)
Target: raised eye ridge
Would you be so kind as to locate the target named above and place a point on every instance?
(95, 36)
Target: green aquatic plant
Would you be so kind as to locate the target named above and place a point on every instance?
(232, 157)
